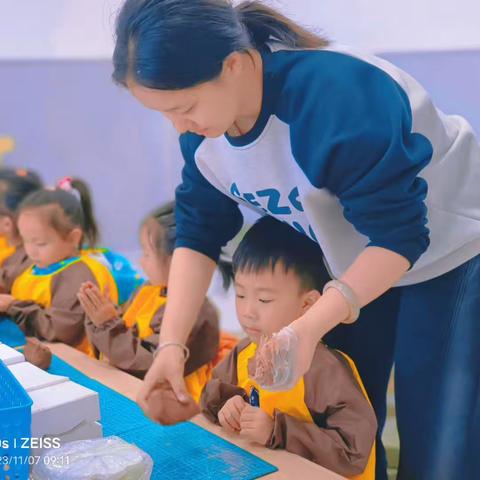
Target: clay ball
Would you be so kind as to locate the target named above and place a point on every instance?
(37, 353)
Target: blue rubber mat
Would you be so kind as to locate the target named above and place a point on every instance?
(10, 334)
(183, 451)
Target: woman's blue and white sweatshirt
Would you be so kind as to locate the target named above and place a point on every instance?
(349, 150)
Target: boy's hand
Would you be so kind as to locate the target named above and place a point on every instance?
(99, 308)
(229, 415)
(256, 425)
(5, 302)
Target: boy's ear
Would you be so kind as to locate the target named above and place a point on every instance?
(75, 237)
(309, 298)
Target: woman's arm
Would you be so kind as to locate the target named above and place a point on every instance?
(190, 276)
(373, 272)
(189, 279)
(206, 220)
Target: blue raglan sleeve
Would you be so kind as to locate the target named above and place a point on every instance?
(351, 133)
(206, 218)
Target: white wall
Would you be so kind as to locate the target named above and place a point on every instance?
(386, 25)
(40, 29)
(84, 28)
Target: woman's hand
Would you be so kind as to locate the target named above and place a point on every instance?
(98, 307)
(5, 302)
(164, 385)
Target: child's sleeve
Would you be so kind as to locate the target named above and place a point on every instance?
(122, 345)
(126, 350)
(223, 385)
(344, 426)
(64, 319)
(12, 268)
(204, 338)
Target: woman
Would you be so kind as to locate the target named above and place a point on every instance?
(350, 151)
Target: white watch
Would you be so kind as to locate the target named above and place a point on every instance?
(349, 295)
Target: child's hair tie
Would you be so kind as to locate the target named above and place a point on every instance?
(66, 184)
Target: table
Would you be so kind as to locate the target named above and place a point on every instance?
(289, 466)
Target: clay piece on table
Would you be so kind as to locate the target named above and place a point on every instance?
(37, 353)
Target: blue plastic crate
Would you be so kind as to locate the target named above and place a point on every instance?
(15, 424)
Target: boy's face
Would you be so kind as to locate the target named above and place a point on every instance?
(267, 301)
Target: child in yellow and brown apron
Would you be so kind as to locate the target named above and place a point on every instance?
(54, 224)
(15, 185)
(128, 337)
(326, 417)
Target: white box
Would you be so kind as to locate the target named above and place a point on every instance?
(61, 408)
(33, 378)
(9, 355)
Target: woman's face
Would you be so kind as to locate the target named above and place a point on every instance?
(208, 109)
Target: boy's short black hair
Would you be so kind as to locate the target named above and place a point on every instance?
(270, 241)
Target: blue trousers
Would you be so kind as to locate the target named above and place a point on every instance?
(431, 331)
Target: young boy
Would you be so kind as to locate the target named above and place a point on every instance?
(327, 417)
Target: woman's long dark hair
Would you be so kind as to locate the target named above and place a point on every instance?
(176, 44)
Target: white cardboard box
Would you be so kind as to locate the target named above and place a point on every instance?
(59, 409)
(9, 355)
(33, 378)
